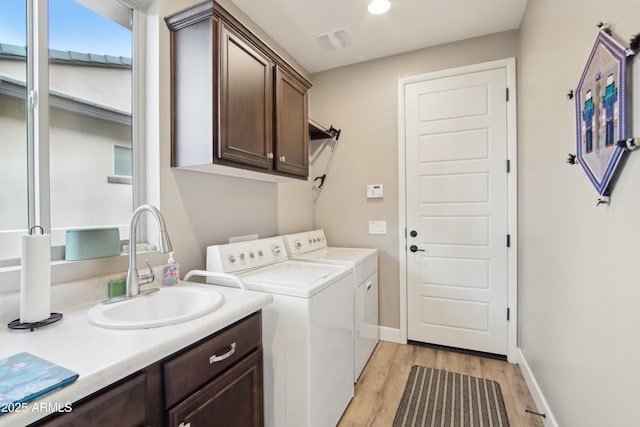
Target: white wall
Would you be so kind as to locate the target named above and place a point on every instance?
(82, 157)
(579, 284)
(13, 163)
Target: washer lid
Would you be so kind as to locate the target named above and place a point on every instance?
(294, 278)
(346, 255)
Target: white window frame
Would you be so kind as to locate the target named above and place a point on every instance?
(38, 141)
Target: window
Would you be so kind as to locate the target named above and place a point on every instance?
(66, 118)
(13, 131)
(122, 161)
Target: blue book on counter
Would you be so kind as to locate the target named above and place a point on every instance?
(25, 377)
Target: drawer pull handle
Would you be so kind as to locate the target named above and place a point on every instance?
(215, 358)
(368, 285)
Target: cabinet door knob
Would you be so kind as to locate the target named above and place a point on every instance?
(270, 156)
(282, 159)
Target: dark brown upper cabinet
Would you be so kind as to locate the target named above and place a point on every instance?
(292, 128)
(235, 102)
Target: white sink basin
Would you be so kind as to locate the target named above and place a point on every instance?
(164, 307)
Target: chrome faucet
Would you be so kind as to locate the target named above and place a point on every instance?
(134, 279)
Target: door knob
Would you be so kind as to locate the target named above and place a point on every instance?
(413, 233)
(414, 248)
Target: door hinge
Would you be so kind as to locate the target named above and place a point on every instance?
(507, 94)
(508, 165)
(508, 314)
(508, 240)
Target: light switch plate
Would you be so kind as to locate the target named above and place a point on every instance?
(377, 227)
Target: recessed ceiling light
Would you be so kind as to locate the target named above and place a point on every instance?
(378, 7)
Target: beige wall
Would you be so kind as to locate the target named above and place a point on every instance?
(362, 100)
(578, 277)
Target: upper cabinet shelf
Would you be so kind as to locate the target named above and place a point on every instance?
(235, 102)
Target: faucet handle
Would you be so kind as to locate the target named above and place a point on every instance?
(146, 278)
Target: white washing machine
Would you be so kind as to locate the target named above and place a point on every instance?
(311, 246)
(307, 331)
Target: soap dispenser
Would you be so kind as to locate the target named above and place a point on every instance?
(171, 272)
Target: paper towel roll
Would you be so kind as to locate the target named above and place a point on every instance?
(35, 278)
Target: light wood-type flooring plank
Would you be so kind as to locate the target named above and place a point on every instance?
(381, 384)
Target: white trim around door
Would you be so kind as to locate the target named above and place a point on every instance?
(509, 65)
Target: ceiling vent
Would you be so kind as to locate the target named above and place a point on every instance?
(335, 39)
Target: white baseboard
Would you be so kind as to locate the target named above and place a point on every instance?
(536, 392)
(390, 334)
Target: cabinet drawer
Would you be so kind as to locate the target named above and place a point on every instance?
(198, 365)
(232, 399)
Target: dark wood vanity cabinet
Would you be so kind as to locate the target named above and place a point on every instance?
(216, 381)
(217, 378)
(235, 101)
(128, 399)
(233, 399)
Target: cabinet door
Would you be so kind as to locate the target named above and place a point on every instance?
(123, 405)
(246, 103)
(292, 125)
(232, 400)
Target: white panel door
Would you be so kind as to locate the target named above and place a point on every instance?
(456, 152)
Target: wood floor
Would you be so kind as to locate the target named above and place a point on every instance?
(379, 389)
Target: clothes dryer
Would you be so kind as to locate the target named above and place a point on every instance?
(311, 246)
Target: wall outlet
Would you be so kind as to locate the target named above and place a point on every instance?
(377, 227)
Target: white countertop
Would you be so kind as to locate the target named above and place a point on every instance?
(104, 356)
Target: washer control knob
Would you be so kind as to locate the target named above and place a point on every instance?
(241, 256)
(276, 250)
(298, 244)
(252, 255)
(310, 241)
(232, 259)
(260, 253)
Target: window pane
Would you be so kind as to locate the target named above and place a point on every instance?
(13, 120)
(90, 114)
(122, 163)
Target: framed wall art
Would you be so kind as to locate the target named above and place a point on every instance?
(601, 111)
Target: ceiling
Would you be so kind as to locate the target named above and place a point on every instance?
(407, 26)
